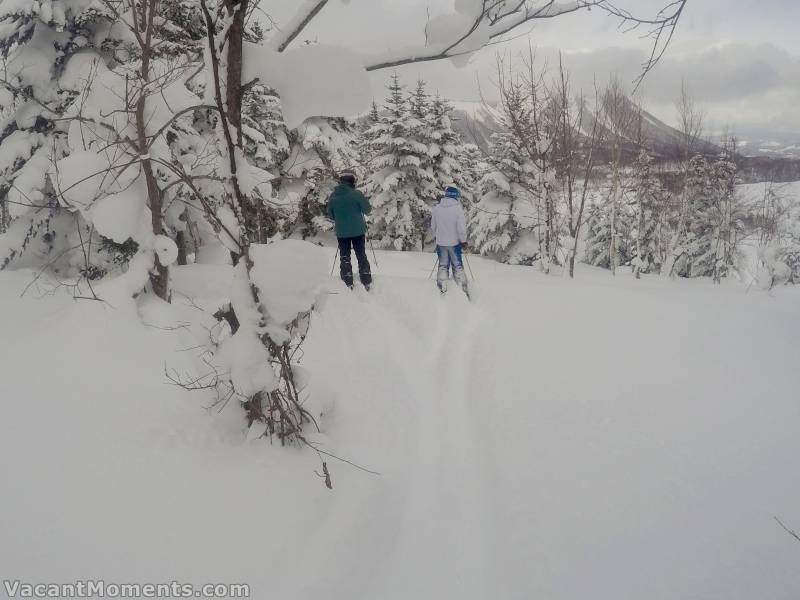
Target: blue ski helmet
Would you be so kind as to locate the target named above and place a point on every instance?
(452, 192)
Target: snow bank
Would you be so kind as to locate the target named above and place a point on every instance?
(312, 81)
(290, 274)
(601, 438)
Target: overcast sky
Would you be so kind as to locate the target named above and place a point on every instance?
(741, 58)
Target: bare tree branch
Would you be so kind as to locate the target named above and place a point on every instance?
(661, 27)
(288, 37)
(791, 532)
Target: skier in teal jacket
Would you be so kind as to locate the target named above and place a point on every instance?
(346, 208)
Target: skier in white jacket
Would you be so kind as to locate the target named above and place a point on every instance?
(449, 226)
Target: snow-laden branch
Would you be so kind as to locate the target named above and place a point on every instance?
(306, 12)
(485, 21)
(481, 21)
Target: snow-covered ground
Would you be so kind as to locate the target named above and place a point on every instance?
(601, 439)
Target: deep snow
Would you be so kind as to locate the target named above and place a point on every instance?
(603, 439)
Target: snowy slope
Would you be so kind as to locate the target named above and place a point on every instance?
(598, 438)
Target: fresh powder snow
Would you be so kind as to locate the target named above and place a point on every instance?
(518, 456)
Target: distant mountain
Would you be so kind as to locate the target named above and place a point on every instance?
(762, 156)
(478, 121)
(770, 144)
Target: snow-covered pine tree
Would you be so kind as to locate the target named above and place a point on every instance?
(400, 179)
(474, 161)
(503, 223)
(598, 235)
(36, 43)
(605, 219)
(265, 142)
(647, 208)
(422, 132)
(523, 105)
(366, 135)
(695, 256)
(451, 157)
(374, 114)
(319, 149)
(708, 247)
(726, 213)
(115, 101)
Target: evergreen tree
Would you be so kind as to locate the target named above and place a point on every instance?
(503, 222)
(266, 139)
(400, 178)
(422, 135)
(647, 209)
(265, 142)
(696, 256)
(598, 236)
(713, 222)
(726, 214)
(319, 150)
(374, 114)
(607, 228)
(474, 165)
(451, 157)
(36, 44)
(63, 106)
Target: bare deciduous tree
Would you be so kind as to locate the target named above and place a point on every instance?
(690, 119)
(619, 119)
(574, 150)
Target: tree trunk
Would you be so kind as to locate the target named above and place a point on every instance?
(233, 85)
(3, 216)
(181, 241)
(612, 245)
(159, 277)
(639, 226)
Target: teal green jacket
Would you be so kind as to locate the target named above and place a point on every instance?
(346, 208)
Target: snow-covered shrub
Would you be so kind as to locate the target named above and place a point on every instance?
(255, 351)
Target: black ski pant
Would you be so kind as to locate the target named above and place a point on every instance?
(359, 245)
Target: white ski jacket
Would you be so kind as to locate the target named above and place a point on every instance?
(448, 223)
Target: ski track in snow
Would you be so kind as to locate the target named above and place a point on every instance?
(441, 501)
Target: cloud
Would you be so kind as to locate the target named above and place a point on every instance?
(738, 85)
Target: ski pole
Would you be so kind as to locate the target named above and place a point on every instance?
(469, 266)
(435, 265)
(374, 256)
(333, 266)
